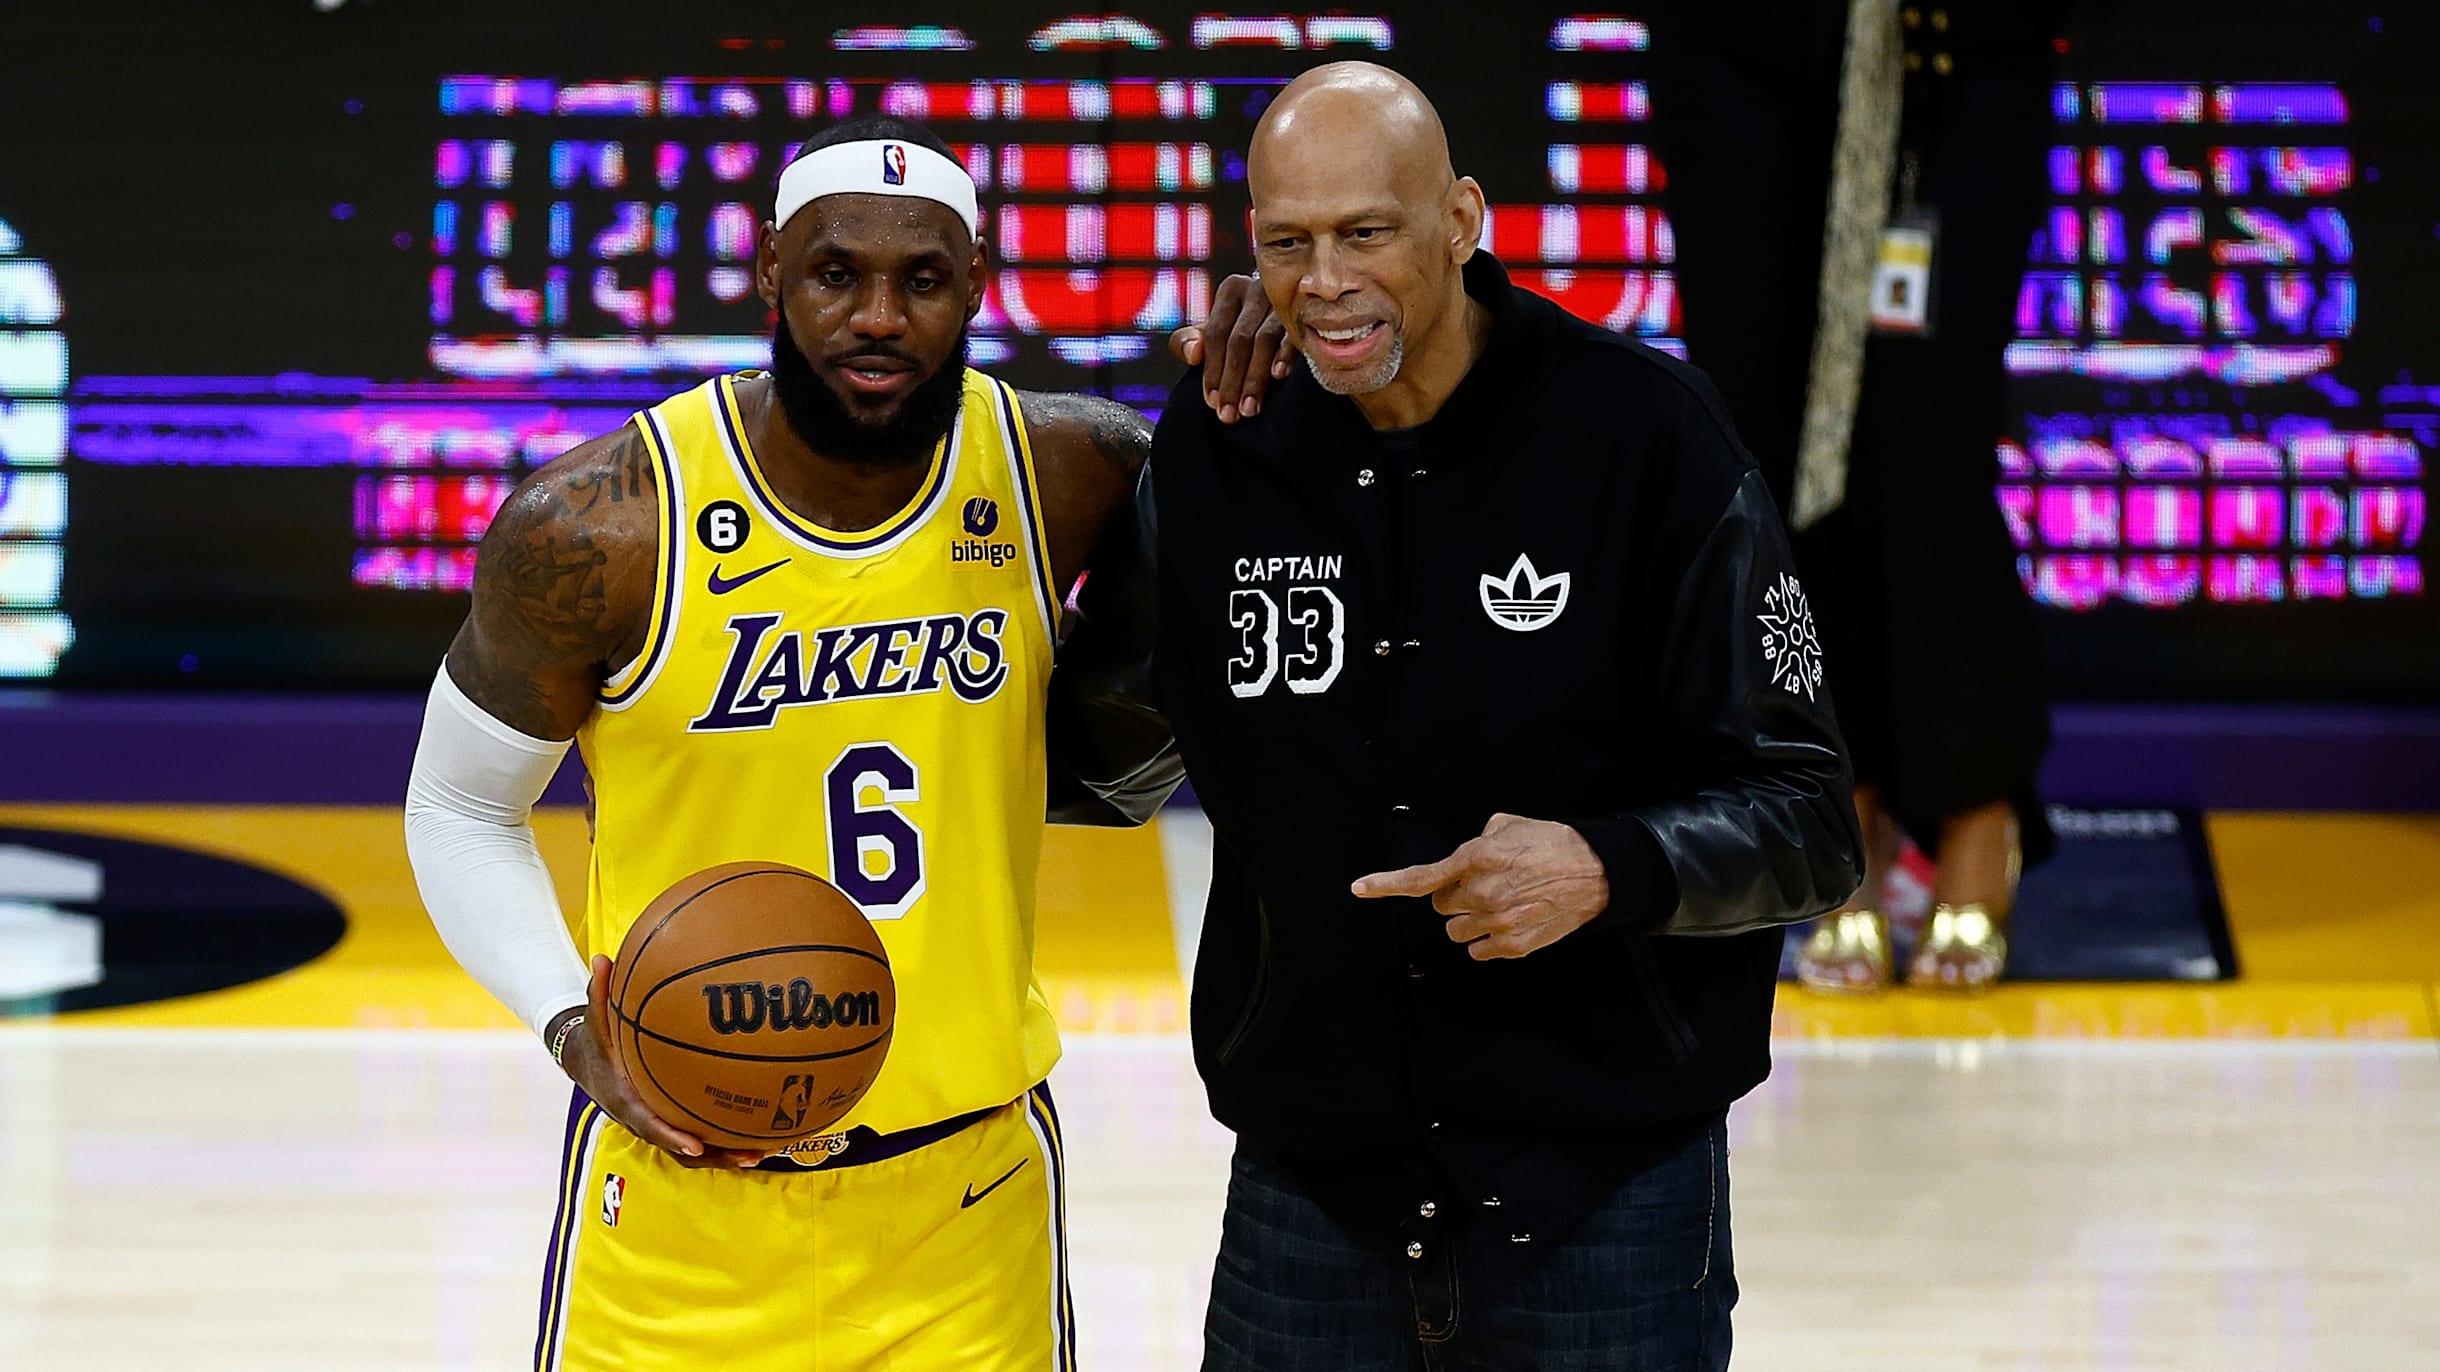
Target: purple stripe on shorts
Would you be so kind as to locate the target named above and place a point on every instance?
(571, 1183)
(1039, 1100)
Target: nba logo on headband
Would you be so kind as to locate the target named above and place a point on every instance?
(848, 169)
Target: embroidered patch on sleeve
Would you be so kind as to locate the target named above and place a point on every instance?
(1789, 643)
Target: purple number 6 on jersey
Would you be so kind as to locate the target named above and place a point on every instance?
(859, 832)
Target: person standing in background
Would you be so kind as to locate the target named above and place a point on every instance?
(1796, 132)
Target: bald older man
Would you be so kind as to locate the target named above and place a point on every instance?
(1487, 660)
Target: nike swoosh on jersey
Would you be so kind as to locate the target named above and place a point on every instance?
(973, 1195)
(722, 585)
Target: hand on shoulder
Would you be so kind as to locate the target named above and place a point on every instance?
(1242, 348)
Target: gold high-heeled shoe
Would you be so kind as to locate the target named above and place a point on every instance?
(1965, 947)
(1847, 953)
(1962, 949)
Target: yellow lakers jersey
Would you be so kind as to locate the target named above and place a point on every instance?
(866, 706)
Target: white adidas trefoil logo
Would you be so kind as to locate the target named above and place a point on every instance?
(1526, 600)
(1789, 643)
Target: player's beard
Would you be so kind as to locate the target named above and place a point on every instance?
(829, 426)
(1385, 371)
(1361, 383)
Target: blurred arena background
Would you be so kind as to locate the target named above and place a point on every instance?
(292, 293)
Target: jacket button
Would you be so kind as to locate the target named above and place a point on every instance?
(1491, 1202)
(1427, 1210)
(1419, 473)
(1414, 1249)
(1365, 477)
(1401, 809)
(1520, 1238)
(1413, 644)
(1414, 973)
(1381, 649)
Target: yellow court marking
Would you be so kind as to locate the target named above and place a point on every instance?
(2331, 914)
(389, 971)
(1104, 951)
(2130, 1010)
(2331, 897)
(1102, 908)
(1102, 946)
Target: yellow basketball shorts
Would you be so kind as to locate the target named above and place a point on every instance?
(950, 1256)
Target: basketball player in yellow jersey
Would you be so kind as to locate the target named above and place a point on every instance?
(804, 616)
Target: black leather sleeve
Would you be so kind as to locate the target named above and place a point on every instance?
(1113, 758)
(1764, 830)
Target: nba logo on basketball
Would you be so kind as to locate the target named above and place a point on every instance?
(795, 1097)
(893, 165)
(614, 1194)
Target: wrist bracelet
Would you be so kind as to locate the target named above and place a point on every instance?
(559, 1041)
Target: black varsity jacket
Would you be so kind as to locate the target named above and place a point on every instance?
(1567, 596)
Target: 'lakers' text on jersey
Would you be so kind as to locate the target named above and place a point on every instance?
(866, 706)
(767, 670)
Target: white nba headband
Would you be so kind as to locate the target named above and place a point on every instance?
(876, 167)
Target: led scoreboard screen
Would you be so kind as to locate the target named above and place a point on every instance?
(292, 296)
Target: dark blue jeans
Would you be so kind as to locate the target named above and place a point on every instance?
(1642, 1285)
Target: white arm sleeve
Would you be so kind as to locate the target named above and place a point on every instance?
(469, 801)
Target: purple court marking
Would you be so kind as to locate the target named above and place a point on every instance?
(2245, 757)
(165, 748)
(219, 749)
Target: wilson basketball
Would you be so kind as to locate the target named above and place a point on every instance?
(753, 1004)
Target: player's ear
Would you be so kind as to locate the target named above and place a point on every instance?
(766, 264)
(978, 277)
(1465, 217)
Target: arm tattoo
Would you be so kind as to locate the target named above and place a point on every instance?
(543, 614)
(622, 476)
(551, 572)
